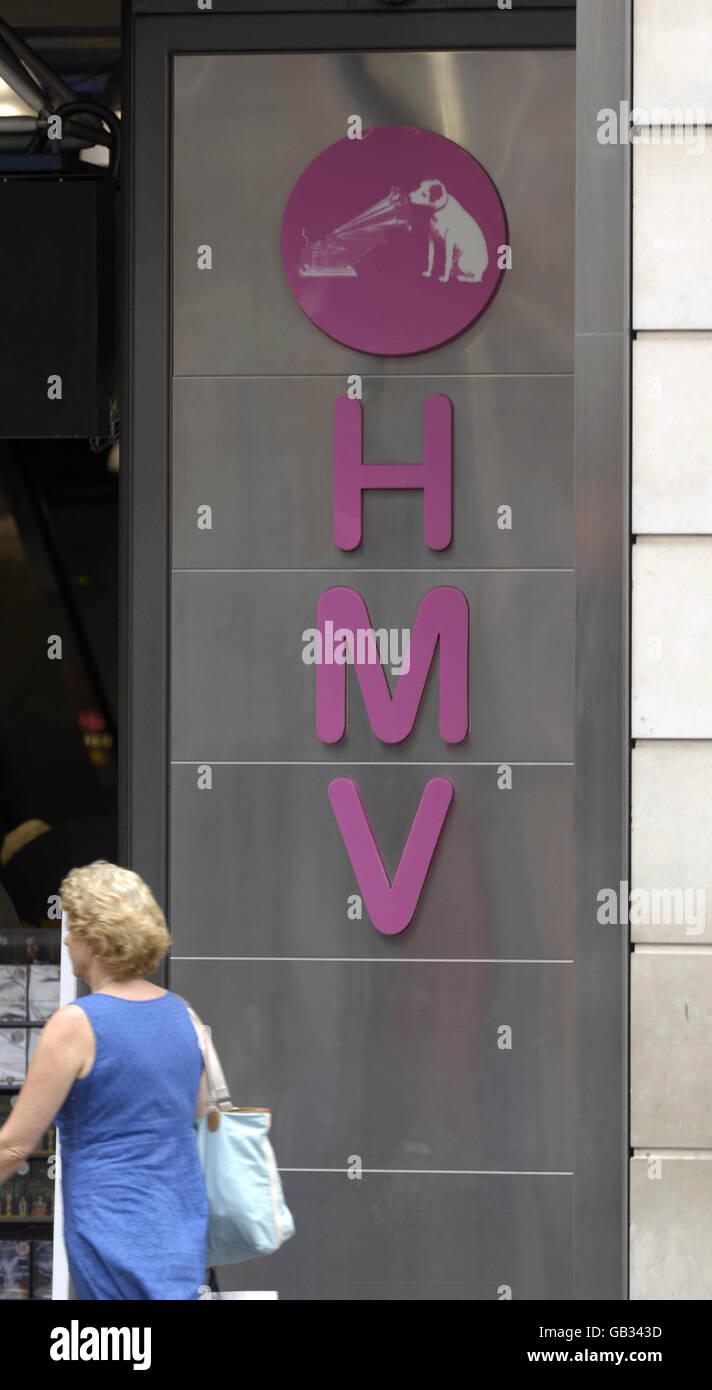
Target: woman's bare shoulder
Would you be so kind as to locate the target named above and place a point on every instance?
(68, 1027)
(67, 1020)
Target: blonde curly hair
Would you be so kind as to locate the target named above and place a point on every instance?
(115, 912)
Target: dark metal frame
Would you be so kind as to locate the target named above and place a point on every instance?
(602, 30)
(602, 465)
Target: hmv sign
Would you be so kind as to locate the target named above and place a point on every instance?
(391, 311)
(372, 649)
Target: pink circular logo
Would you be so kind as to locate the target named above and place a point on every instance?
(390, 243)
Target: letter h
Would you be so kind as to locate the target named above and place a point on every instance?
(352, 476)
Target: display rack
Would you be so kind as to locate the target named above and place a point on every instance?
(26, 1236)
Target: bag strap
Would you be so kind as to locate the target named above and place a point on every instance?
(218, 1092)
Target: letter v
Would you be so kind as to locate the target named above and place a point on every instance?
(390, 906)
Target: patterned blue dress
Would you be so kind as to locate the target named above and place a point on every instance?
(135, 1205)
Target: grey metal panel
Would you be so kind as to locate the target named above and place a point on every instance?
(603, 198)
(397, 1062)
(603, 363)
(259, 867)
(419, 1238)
(602, 817)
(230, 193)
(260, 453)
(240, 689)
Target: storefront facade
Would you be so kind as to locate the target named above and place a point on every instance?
(383, 896)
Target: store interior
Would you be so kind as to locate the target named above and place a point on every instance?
(59, 526)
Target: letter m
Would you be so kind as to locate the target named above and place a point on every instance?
(442, 620)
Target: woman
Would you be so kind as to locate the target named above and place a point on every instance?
(121, 1074)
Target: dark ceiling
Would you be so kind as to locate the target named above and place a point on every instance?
(59, 14)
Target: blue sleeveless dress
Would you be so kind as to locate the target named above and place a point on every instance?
(135, 1205)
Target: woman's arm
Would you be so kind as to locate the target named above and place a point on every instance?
(201, 1105)
(62, 1050)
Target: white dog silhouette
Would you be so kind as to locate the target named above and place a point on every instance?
(465, 246)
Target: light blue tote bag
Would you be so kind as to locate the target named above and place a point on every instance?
(248, 1213)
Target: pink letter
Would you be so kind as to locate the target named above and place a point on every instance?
(443, 617)
(352, 475)
(390, 906)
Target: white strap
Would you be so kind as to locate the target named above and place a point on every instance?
(218, 1093)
